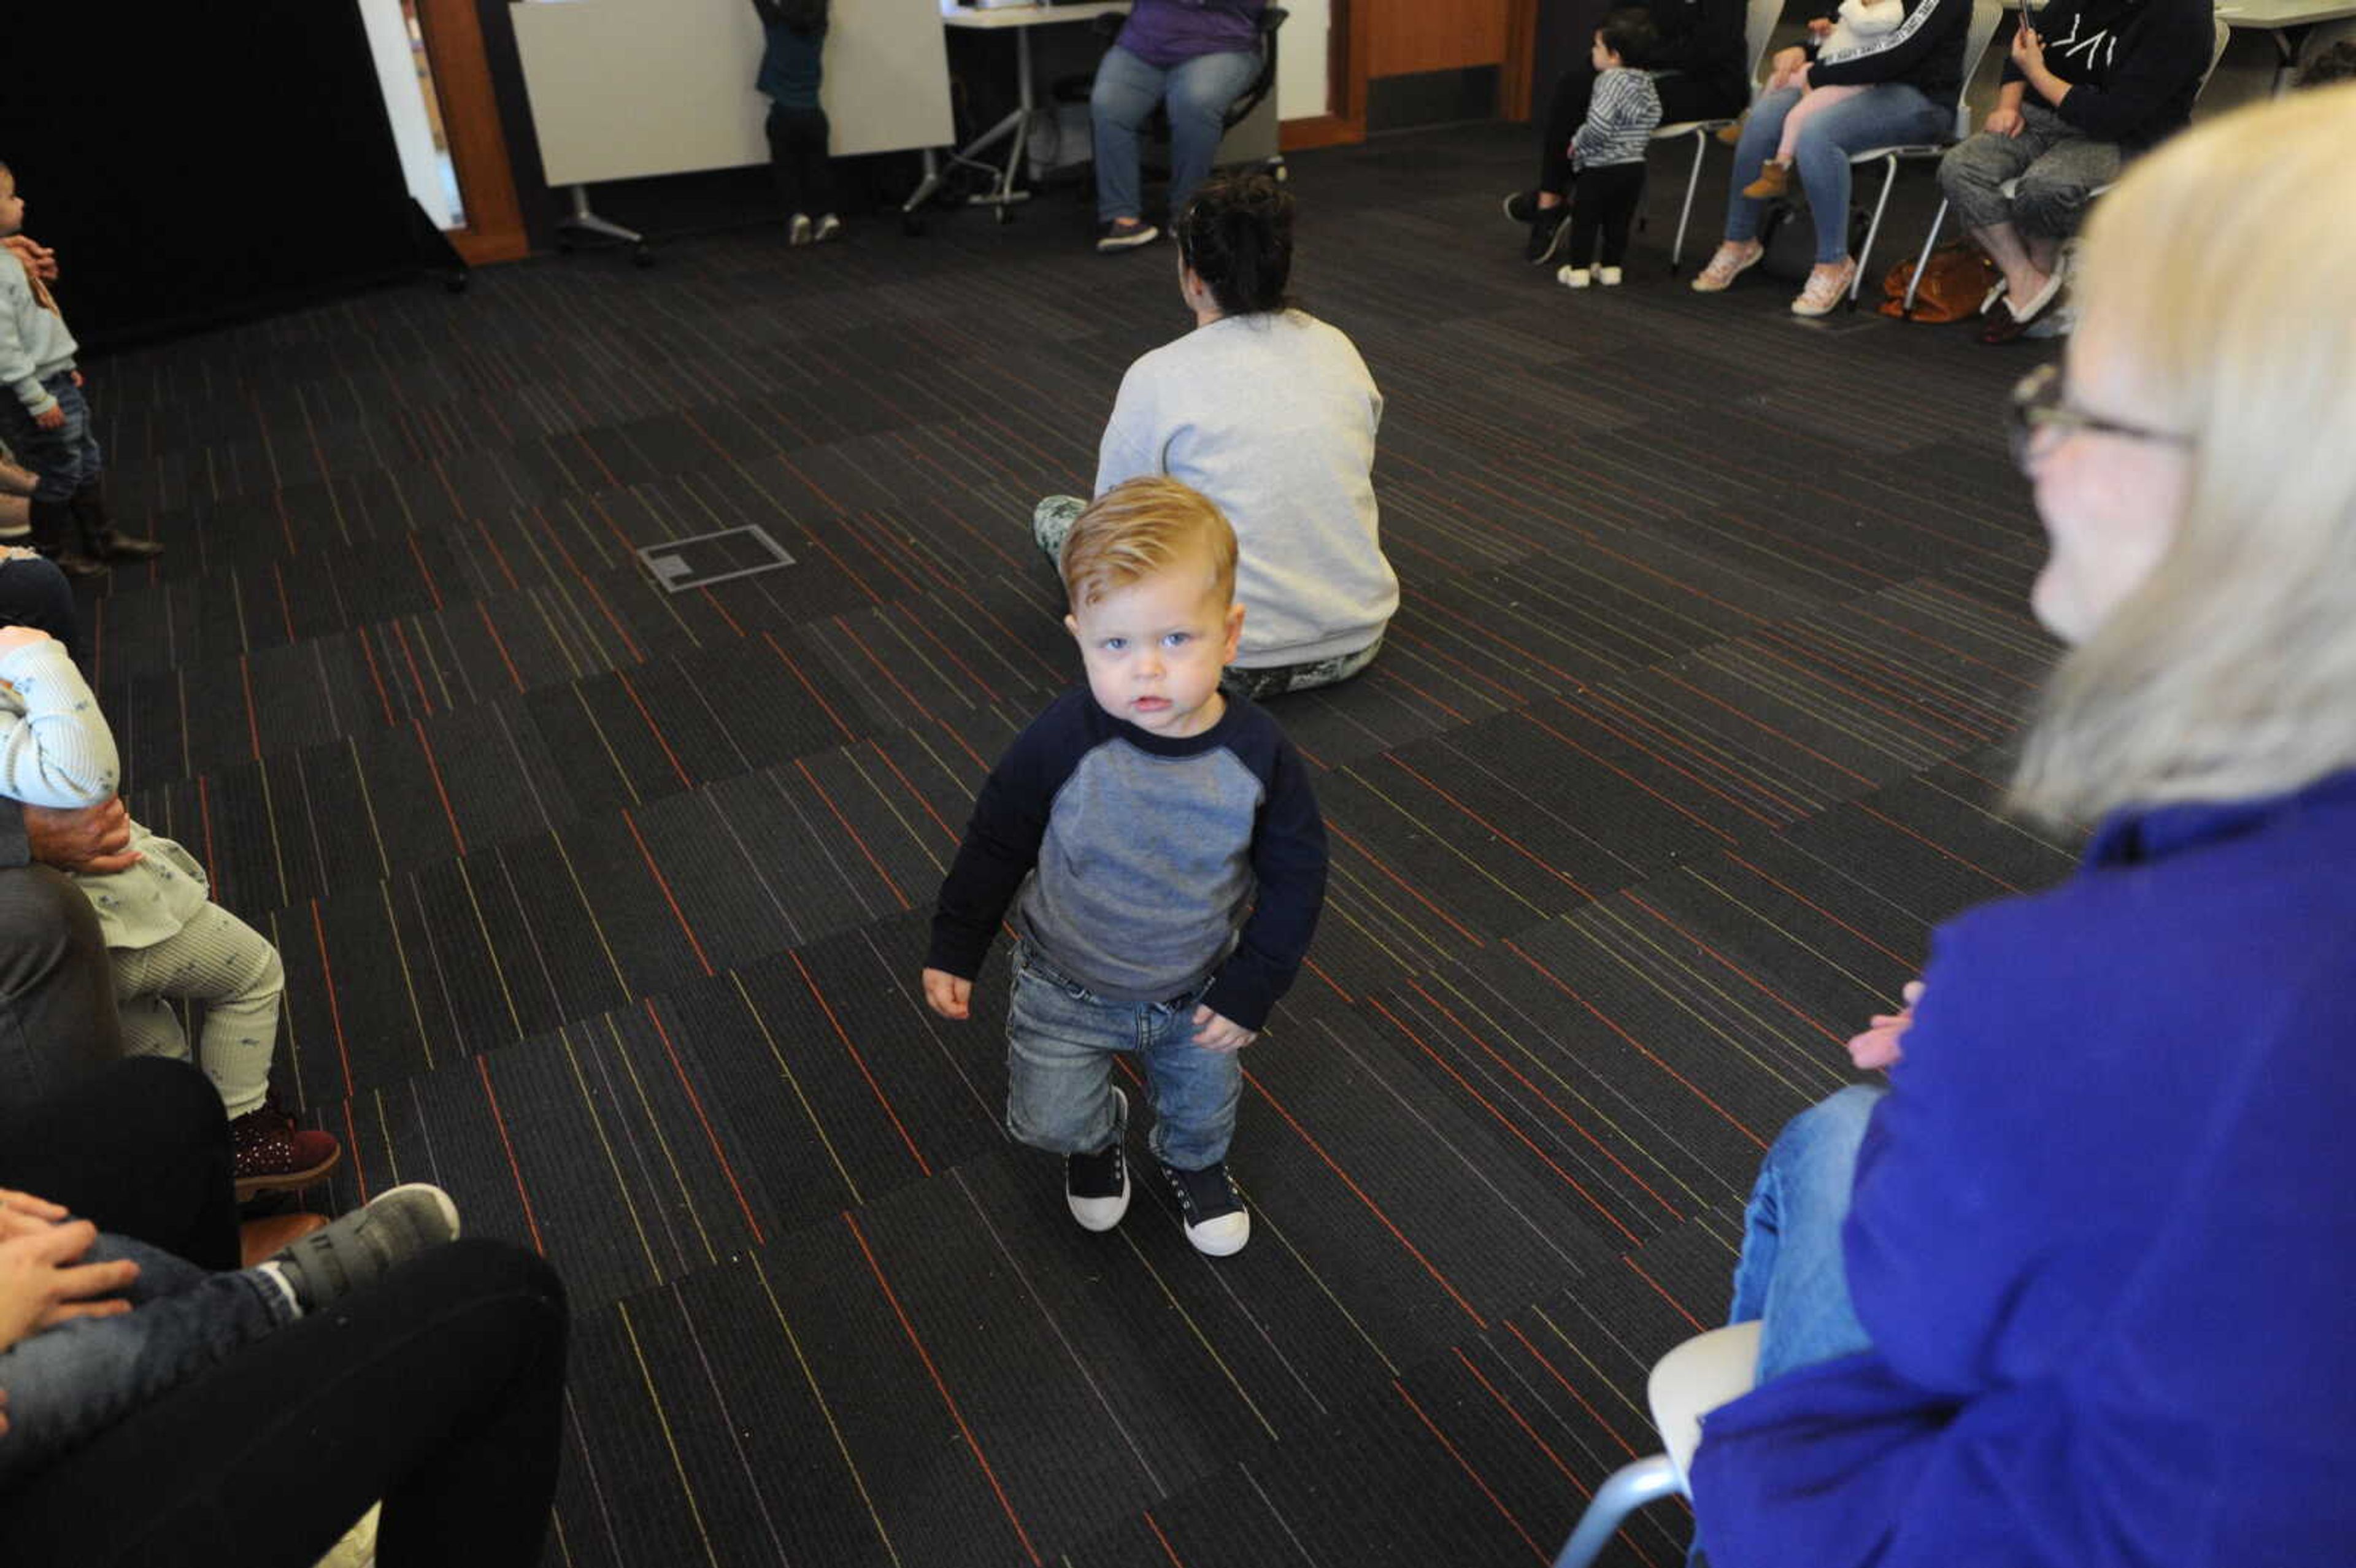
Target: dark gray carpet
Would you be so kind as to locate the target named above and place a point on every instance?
(605, 908)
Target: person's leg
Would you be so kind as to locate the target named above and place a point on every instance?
(1761, 133)
(58, 1022)
(1792, 1275)
(92, 519)
(1195, 1092)
(1883, 115)
(56, 463)
(785, 163)
(151, 1024)
(1588, 197)
(1264, 681)
(1123, 98)
(70, 1383)
(1623, 195)
(1565, 109)
(141, 1149)
(1972, 178)
(34, 593)
(2051, 200)
(1051, 523)
(812, 134)
(1812, 102)
(439, 1390)
(1059, 1046)
(220, 960)
(1199, 93)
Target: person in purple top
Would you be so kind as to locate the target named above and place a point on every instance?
(2072, 1292)
(1195, 56)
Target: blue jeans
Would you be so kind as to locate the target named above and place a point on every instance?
(67, 1383)
(1792, 1275)
(1198, 91)
(1885, 114)
(63, 460)
(1060, 1040)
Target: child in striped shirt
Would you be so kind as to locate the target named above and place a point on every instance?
(1608, 151)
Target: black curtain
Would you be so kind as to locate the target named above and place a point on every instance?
(194, 163)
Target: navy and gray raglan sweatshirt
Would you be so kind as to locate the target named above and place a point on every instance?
(1136, 857)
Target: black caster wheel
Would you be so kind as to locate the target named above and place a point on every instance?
(642, 256)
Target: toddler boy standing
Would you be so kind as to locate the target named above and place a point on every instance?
(1163, 854)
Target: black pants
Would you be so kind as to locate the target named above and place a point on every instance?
(1682, 97)
(1603, 201)
(797, 157)
(137, 1148)
(35, 593)
(58, 1023)
(438, 1391)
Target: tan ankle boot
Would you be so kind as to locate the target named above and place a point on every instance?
(1774, 179)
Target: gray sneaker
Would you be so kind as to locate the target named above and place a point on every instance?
(368, 1243)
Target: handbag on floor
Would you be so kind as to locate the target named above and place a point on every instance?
(1955, 285)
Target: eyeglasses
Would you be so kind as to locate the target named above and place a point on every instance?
(2041, 402)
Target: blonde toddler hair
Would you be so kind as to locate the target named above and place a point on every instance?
(1144, 527)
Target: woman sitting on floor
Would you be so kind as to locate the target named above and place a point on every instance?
(1270, 413)
(2074, 1289)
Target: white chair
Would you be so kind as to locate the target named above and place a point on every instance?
(1687, 1385)
(1939, 218)
(1986, 14)
(1758, 27)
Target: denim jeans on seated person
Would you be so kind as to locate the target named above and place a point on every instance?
(1792, 1275)
(1060, 1041)
(1888, 114)
(67, 1383)
(1127, 89)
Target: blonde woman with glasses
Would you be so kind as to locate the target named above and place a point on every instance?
(2074, 1289)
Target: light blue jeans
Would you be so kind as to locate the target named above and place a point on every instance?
(1060, 1041)
(1198, 91)
(68, 1383)
(1885, 114)
(1792, 1275)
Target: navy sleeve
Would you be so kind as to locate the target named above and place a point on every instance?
(1001, 841)
(1289, 864)
(1896, 54)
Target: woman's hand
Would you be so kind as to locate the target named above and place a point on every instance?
(38, 257)
(2028, 52)
(1820, 27)
(2006, 121)
(1790, 60)
(43, 1282)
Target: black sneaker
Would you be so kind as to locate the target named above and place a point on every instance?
(1127, 236)
(1216, 1219)
(1522, 206)
(1097, 1185)
(1548, 229)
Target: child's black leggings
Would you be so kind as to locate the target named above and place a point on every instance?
(797, 156)
(1604, 201)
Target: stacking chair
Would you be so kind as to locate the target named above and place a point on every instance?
(1687, 1383)
(1939, 219)
(1758, 27)
(1985, 17)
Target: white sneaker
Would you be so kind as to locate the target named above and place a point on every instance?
(1825, 289)
(829, 228)
(1096, 1186)
(1572, 277)
(1608, 276)
(799, 232)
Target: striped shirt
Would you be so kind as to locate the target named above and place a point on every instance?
(1620, 119)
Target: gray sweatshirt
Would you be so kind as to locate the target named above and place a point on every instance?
(1272, 417)
(34, 341)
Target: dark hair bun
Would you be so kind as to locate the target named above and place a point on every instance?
(1237, 234)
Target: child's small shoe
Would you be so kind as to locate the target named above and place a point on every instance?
(1729, 135)
(1608, 276)
(829, 228)
(1213, 1211)
(1096, 1186)
(1774, 180)
(797, 232)
(366, 1244)
(1572, 277)
(268, 1153)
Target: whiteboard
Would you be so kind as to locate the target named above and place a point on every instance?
(624, 89)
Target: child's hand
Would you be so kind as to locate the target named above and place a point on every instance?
(1877, 1047)
(77, 375)
(15, 638)
(54, 419)
(948, 994)
(1213, 1032)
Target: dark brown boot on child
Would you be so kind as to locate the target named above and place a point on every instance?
(99, 535)
(52, 527)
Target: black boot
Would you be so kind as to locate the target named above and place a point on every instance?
(99, 535)
(53, 531)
